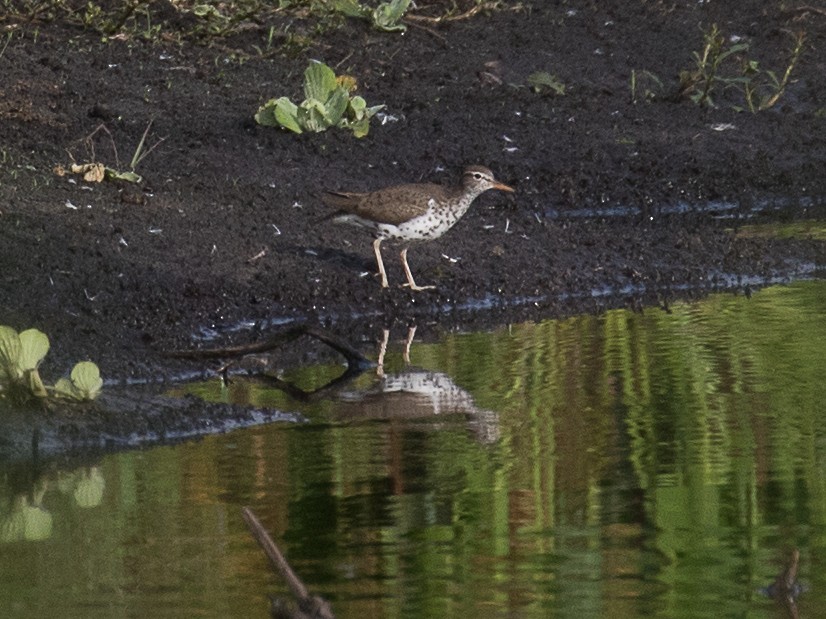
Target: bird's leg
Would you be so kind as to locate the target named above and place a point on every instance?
(410, 281)
(382, 350)
(377, 251)
(411, 333)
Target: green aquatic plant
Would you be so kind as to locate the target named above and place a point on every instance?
(328, 102)
(20, 358)
(84, 383)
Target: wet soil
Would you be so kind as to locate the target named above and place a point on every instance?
(623, 198)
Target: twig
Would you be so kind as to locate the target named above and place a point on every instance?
(447, 18)
(806, 8)
(353, 356)
(309, 605)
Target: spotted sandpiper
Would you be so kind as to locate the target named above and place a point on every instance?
(414, 212)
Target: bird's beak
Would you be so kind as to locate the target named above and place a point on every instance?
(502, 187)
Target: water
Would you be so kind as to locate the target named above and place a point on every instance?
(624, 465)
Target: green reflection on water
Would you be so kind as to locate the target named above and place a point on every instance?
(625, 464)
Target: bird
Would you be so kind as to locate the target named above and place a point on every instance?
(410, 212)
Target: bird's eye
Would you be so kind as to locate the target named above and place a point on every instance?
(477, 176)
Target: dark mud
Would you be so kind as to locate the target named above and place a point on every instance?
(220, 243)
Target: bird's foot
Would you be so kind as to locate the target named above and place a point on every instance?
(415, 286)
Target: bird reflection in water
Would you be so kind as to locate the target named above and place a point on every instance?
(415, 393)
(412, 393)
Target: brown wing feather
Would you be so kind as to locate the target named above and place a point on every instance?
(393, 205)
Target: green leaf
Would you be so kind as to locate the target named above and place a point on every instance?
(64, 387)
(387, 15)
(319, 81)
(313, 116)
(337, 105)
(10, 349)
(266, 114)
(86, 380)
(286, 114)
(734, 49)
(361, 127)
(351, 8)
(542, 80)
(371, 111)
(130, 177)
(206, 10)
(358, 105)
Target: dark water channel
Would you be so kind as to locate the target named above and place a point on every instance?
(624, 465)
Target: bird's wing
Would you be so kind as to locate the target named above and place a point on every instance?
(393, 205)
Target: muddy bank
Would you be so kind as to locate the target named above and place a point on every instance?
(612, 185)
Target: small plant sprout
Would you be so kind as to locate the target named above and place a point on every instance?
(97, 172)
(646, 84)
(699, 83)
(543, 82)
(761, 95)
(386, 16)
(327, 103)
(84, 383)
(20, 358)
(714, 70)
